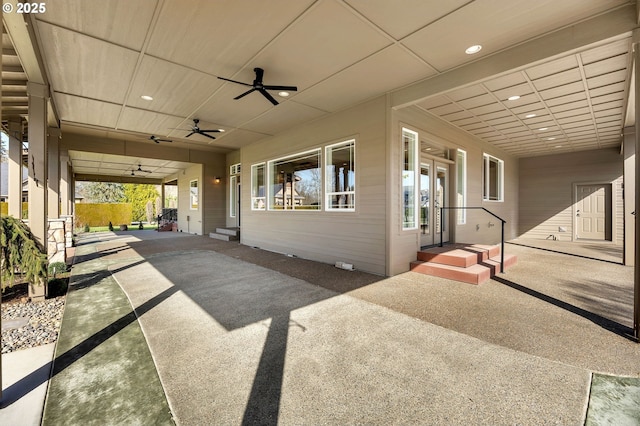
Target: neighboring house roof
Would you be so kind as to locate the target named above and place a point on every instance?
(4, 179)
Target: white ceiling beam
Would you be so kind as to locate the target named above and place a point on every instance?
(117, 179)
(23, 44)
(573, 38)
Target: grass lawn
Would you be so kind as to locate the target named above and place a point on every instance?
(132, 227)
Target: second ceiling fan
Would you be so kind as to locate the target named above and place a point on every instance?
(197, 130)
(259, 86)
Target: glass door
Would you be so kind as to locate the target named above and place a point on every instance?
(434, 181)
(441, 192)
(426, 236)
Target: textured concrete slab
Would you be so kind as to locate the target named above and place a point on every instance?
(236, 342)
(25, 376)
(240, 335)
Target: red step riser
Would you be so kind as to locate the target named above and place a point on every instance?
(461, 265)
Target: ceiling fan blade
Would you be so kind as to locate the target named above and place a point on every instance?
(163, 140)
(235, 81)
(209, 136)
(268, 96)
(244, 94)
(292, 88)
(190, 134)
(214, 130)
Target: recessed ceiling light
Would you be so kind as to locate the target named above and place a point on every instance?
(283, 94)
(146, 97)
(221, 130)
(551, 139)
(473, 49)
(529, 115)
(513, 98)
(542, 129)
(558, 146)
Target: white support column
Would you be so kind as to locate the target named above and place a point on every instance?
(15, 168)
(37, 161)
(53, 173)
(65, 184)
(629, 150)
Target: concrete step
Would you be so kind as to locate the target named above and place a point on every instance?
(474, 274)
(470, 263)
(234, 232)
(222, 237)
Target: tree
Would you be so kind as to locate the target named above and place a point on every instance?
(104, 192)
(149, 211)
(138, 195)
(21, 252)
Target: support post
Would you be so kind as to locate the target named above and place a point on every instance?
(15, 168)
(53, 173)
(38, 162)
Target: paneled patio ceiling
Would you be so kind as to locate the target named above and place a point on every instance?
(567, 60)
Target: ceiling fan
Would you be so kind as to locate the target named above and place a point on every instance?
(195, 129)
(139, 170)
(158, 140)
(260, 86)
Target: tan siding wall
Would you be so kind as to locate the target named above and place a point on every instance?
(547, 191)
(405, 244)
(193, 224)
(358, 237)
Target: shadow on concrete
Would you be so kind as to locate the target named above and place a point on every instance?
(611, 252)
(607, 324)
(27, 384)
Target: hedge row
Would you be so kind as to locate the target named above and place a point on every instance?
(100, 214)
(4, 209)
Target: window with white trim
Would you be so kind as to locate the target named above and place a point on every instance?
(461, 185)
(492, 178)
(340, 176)
(233, 195)
(295, 182)
(409, 179)
(258, 189)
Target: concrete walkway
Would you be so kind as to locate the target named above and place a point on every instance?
(243, 336)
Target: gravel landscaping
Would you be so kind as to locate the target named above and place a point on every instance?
(30, 324)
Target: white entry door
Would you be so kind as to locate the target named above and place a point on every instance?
(593, 210)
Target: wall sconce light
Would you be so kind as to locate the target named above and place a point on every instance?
(216, 179)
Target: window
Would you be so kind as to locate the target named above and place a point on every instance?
(340, 178)
(193, 194)
(461, 186)
(296, 182)
(409, 178)
(493, 178)
(233, 195)
(258, 196)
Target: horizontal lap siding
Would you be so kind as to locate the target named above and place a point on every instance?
(547, 186)
(353, 237)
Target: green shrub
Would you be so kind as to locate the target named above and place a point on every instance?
(86, 228)
(110, 226)
(57, 268)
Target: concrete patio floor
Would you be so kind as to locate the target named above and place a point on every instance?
(243, 336)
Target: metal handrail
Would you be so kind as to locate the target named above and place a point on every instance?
(502, 221)
(168, 216)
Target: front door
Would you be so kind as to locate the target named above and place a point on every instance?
(593, 212)
(434, 181)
